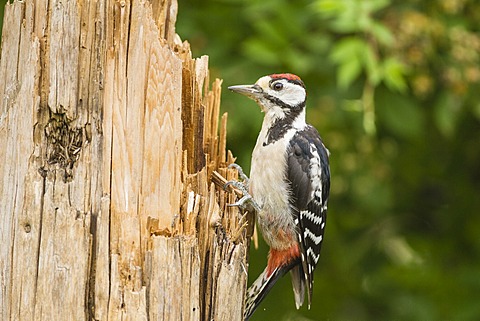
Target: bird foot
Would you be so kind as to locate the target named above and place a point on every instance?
(241, 173)
(246, 202)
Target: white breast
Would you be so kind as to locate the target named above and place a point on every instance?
(269, 188)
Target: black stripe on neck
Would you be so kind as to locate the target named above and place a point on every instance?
(282, 125)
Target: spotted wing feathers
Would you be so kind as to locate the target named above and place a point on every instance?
(309, 176)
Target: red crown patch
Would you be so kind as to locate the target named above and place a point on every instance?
(285, 76)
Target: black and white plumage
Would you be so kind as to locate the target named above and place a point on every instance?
(289, 183)
(309, 174)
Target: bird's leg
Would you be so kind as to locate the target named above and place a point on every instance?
(242, 175)
(246, 202)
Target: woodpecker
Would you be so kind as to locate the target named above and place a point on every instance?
(289, 187)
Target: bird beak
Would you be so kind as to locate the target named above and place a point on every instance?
(251, 91)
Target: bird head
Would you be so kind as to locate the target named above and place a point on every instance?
(279, 94)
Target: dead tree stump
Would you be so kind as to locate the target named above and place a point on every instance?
(109, 135)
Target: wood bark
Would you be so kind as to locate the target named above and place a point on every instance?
(109, 136)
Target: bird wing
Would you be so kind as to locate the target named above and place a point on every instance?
(309, 177)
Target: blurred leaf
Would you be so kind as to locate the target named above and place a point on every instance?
(476, 109)
(375, 5)
(446, 113)
(393, 73)
(257, 50)
(273, 33)
(330, 8)
(344, 14)
(364, 21)
(400, 252)
(348, 72)
(347, 54)
(381, 33)
(296, 60)
(348, 21)
(400, 114)
(374, 73)
(345, 49)
(353, 105)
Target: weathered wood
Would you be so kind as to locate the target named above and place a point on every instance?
(109, 134)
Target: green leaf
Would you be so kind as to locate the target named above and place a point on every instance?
(372, 6)
(330, 8)
(346, 54)
(446, 113)
(394, 75)
(273, 34)
(350, 19)
(399, 114)
(347, 49)
(296, 60)
(348, 72)
(257, 50)
(381, 33)
(374, 72)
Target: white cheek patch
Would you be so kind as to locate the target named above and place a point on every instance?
(291, 94)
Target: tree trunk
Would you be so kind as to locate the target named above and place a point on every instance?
(108, 141)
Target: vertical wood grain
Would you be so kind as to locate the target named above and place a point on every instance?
(108, 138)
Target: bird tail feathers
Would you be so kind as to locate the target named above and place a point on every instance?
(298, 283)
(262, 285)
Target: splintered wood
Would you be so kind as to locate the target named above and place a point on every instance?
(110, 133)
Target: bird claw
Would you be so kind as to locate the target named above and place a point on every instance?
(241, 173)
(238, 185)
(246, 202)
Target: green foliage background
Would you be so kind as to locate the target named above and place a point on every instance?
(393, 87)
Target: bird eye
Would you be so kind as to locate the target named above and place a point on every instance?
(277, 86)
